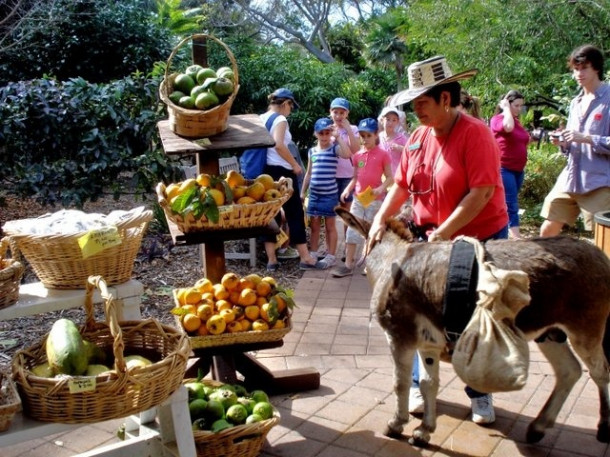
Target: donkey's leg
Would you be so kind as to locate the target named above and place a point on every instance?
(403, 364)
(428, 384)
(595, 360)
(567, 371)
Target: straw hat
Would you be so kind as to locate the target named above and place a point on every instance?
(425, 75)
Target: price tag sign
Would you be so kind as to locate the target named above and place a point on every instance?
(281, 239)
(84, 384)
(97, 240)
(366, 197)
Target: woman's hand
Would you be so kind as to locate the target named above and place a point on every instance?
(375, 233)
(504, 104)
(297, 169)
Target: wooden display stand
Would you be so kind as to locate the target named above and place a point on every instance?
(243, 132)
(602, 231)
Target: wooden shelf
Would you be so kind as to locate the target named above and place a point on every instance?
(214, 236)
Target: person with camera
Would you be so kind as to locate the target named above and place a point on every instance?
(512, 140)
(584, 184)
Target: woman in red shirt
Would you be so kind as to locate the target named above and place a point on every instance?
(512, 139)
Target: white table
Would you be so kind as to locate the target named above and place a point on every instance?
(162, 431)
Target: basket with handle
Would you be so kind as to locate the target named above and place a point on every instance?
(244, 440)
(58, 260)
(117, 393)
(258, 214)
(11, 272)
(10, 402)
(193, 123)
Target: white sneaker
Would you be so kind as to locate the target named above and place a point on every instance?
(416, 401)
(483, 410)
(329, 261)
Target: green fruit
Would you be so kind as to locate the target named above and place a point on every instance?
(184, 83)
(206, 100)
(197, 90)
(263, 409)
(95, 354)
(187, 102)
(205, 73)
(65, 349)
(259, 395)
(239, 389)
(236, 414)
(252, 418)
(225, 396)
(195, 390)
(43, 370)
(197, 408)
(137, 361)
(220, 425)
(225, 72)
(214, 410)
(209, 83)
(208, 390)
(94, 370)
(201, 424)
(192, 71)
(223, 86)
(248, 403)
(176, 96)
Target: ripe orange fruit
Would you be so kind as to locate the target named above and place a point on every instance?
(190, 309)
(245, 283)
(279, 324)
(204, 285)
(234, 327)
(281, 303)
(263, 289)
(204, 180)
(218, 196)
(266, 181)
(255, 191)
(192, 296)
(220, 292)
(203, 330)
(234, 179)
(260, 301)
(191, 322)
(246, 325)
(270, 280)
(230, 280)
(208, 296)
(260, 325)
(186, 185)
(205, 311)
(252, 312)
(234, 296)
(228, 315)
(171, 191)
(216, 324)
(247, 297)
(223, 304)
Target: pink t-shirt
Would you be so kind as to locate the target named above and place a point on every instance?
(513, 145)
(345, 168)
(400, 139)
(469, 158)
(370, 165)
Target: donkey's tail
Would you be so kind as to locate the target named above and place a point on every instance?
(606, 342)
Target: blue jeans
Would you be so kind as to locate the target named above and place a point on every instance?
(501, 234)
(513, 180)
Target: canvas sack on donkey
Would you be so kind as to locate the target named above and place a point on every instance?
(492, 354)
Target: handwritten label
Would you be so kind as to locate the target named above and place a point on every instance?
(281, 239)
(366, 197)
(97, 240)
(84, 384)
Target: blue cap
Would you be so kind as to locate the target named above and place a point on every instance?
(368, 125)
(339, 103)
(324, 123)
(285, 93)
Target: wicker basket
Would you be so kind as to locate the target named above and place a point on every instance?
(58, 261)
(226, 339)
(10, 403)
(194, 123)
(11, 272)
(240, 441)
(234, 216)
(114, 395)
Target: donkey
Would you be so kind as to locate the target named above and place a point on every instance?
(569, 288)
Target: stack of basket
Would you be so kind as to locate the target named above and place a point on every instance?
(115, 394)
(10, 403)
(11, 272)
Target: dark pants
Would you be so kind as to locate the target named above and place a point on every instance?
(293, 208)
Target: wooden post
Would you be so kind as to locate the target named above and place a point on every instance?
(200, 51)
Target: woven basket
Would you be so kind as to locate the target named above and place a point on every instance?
(234, 216)
(114, 395)
(240, 441)
(58, 260)
(194, 123)
(226, 339)
(10, 403)
(11, 272)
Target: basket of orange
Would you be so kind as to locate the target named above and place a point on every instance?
(199, 99)
(223, 202)
(237, 310)
(229, 421)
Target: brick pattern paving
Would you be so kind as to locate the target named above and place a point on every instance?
(334, 332)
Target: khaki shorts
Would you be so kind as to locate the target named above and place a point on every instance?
(565, 207)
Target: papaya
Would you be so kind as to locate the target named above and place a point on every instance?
(43, 370)
(95, 369)
(65, 349)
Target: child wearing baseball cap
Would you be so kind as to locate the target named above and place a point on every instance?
(371, 164)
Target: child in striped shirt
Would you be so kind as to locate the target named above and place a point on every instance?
(320, 180)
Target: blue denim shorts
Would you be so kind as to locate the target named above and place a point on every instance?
(342, 183)
(322, 205)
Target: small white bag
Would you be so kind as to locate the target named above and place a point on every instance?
(492, 354)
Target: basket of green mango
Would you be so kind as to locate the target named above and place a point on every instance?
(101, 370)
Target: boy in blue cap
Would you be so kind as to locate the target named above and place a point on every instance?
(371, 163)
(320, 179)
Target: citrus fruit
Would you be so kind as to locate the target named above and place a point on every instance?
(263, 409)
(204, 180)
(255, 191)
(196, 91)
(191, 322)
(192, 296)
(248, 403)
(234, 327)
(225, 396)
(204, 74)
(223, 304)
(253, 418)
(237, 414)
(205, 311)
(230, 280)
(220, 292)
(259, 396)
(266, 181)
(195, 390)
(184, 83)
(263, 289)
(247, 297)
(260, 325)
(197, 408)
(220, 425)
(175, 96)
(228, 315)
(218, 196)
(223, 86)
(252, 312)
(216, 324)
(187, 102)
(171, 191)
(206, 100)
(214, 409)
(193, 70)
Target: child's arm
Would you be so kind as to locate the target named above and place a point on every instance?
(354, 141)
(343, 151)
(350, 187)
(307, 177)
(387, 183)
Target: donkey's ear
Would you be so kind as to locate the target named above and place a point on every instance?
(360, 225)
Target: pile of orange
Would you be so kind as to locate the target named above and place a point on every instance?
(235, 304)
